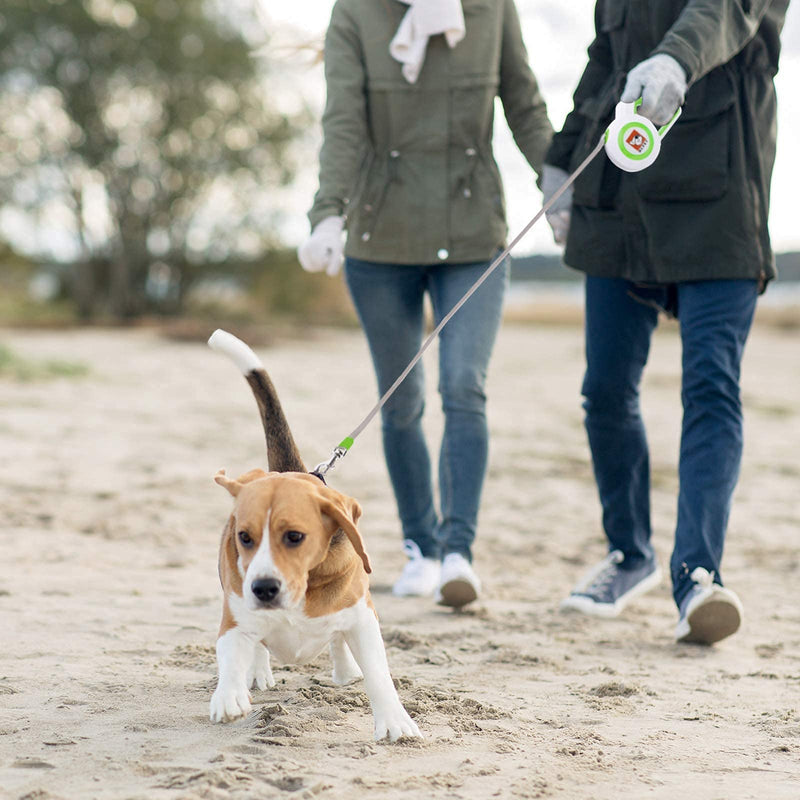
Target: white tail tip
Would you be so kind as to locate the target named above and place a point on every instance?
(235, 349)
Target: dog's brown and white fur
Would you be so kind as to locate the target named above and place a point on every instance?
(294, 574)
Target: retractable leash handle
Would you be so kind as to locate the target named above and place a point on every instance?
(631, 141)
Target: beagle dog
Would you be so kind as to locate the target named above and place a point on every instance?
(294, 570)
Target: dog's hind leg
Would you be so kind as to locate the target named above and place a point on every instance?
(260, 672)
(345, 668)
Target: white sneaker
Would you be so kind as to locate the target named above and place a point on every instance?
(420, 576)
(459, 584)
(709, 612)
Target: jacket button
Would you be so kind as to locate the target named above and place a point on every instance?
(467, 193)
(470, 151)
(394, 153)
(365, 236)
(442, 254)
(367, 207)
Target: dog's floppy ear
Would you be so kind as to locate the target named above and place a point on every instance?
(229, 575)
(345, 511)
(234, 487)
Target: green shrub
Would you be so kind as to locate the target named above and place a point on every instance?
(21, 369)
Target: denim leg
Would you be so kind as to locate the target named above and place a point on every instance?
(465, 346)
(618, 333)
(715, 319)
(389, 302)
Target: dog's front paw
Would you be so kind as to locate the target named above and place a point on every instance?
(395, 723)
(229, 703)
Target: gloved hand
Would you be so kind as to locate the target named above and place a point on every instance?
(323, 249)
(661, 83)
(558, 214)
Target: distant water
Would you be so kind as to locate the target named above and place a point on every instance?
(523, 294)
(782, 294)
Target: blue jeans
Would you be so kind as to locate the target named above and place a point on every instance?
(715, 319)
(389, 300)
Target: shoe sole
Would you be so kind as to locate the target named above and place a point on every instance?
(710, 622)
(585, 605)
(456, 593)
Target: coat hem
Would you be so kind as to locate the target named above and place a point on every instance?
(669, 273)
(387, 254)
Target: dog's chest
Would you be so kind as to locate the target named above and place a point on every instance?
(290, 636)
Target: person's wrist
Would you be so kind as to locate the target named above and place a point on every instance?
(329, 225)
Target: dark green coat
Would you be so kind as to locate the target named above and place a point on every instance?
(700, 211)
(411, 165)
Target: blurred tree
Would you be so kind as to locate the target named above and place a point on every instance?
(143, 139)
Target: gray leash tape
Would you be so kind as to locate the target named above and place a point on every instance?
(341, 449)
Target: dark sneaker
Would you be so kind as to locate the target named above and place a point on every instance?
(606, 589)
(709, 612)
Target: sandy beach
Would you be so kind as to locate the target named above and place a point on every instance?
(110, 601)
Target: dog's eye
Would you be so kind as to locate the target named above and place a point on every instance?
(293, 538)
(245, 539)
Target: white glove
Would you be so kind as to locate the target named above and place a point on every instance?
(323, 249)
(661, 83)
(559, 213)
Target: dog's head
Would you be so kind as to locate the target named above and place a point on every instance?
(280, 529)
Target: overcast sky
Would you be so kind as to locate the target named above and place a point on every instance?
(556, 34)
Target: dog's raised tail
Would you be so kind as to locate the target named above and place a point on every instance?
(282, 452)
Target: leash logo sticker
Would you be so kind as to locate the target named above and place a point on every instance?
(635, 141)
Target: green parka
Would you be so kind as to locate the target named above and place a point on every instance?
(411, 165)
(700, 211)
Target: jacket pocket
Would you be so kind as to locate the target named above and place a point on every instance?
(694, 163)
(363, 211)
(477, 206)
(357, 195)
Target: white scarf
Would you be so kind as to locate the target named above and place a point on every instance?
(425, 18)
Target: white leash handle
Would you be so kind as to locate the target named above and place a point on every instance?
(632, 141)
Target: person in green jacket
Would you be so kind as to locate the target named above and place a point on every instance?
(688, 236)
(406, 168)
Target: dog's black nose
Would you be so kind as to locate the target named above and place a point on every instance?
(265, 589)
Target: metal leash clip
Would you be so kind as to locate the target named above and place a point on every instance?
(325, 466)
